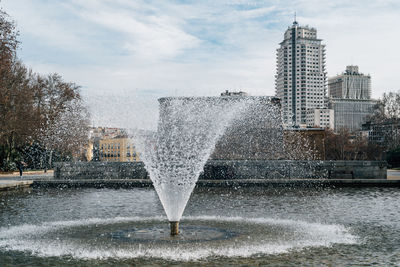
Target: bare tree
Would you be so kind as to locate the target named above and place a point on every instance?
(17, 119)
(69, 132)
(64, 119)
(8, 41)
(35, 110)
(386, 120)
(346, 146)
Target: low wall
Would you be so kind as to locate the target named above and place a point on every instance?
(290, 169)
(233, 169)
(99, 170)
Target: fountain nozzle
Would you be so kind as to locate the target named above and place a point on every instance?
(174, 228)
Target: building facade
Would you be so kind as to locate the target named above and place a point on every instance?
(117, 149)
(382, 133)
(321, 117)
(351, 84)
(98, 133)
(300, 80)
(350, 114)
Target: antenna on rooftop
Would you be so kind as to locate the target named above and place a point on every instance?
(294, 22)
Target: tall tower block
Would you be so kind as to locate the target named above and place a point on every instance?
(300, 80)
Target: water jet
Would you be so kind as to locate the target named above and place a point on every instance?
(174, 156)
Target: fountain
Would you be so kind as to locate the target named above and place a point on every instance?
(221, 226)
(174, 156)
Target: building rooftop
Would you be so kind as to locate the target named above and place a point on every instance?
(231, 93)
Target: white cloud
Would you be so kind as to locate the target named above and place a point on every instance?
(147, 37)
(203, 48)
(40, 22)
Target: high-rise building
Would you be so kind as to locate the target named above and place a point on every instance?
(300, 81)
(350, 98)
(350, 85)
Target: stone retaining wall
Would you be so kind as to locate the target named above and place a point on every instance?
(290, 169)
(233, 169)
(99, 170)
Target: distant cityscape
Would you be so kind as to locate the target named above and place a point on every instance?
(301, 84)
(45, 119)
(310, 101)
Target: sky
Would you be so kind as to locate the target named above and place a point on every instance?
(127, 53)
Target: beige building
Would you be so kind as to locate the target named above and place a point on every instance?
(117, 149)
(89, 151)
(106, 135)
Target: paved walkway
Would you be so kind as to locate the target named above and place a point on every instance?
(393, 175)
(29, 175)
(9, 181)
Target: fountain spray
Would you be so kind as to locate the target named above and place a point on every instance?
(174, 155)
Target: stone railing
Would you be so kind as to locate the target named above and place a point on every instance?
(233, 169)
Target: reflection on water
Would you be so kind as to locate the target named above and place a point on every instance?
(271, 226)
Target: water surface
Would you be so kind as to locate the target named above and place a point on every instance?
(252, 226)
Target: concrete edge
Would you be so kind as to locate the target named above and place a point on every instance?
(130, 183)
(14, 184)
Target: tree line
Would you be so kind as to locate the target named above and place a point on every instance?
(42, 117)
